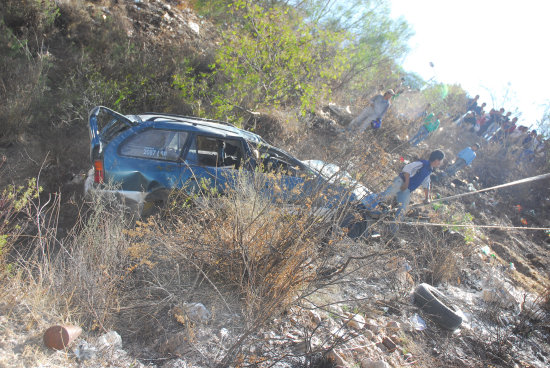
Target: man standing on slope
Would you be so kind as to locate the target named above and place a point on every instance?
(431, 123)
(374, 112)
(471, 104)
(412, 176)
(465, 158)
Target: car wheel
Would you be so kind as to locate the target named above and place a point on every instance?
(435, 305)
(154, 203)
(151, 208)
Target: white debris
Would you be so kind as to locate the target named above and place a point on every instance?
(194, 26)
(109, 340)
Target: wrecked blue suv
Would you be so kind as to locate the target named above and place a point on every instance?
(145, 156)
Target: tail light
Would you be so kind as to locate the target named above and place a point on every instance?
(98, 171)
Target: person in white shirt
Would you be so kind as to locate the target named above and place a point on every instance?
(412, 176)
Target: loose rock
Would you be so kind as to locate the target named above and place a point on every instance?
(368, 363)
(356, 321)
(389, 344)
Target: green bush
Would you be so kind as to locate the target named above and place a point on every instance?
(272, 58)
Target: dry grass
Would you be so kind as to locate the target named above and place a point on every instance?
(47, 280)
(249, 252)
(246, 243)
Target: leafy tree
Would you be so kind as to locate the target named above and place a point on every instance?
(375, 41)
(413, 80)
(271, 58)
(447, 99)
(295, 53)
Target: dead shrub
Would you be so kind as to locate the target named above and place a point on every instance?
(99, 259)
(243, 238)
(245, 243)
(438, 257)
(535, 314)
(83, 273)
(16, 213)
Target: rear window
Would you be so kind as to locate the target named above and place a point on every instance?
(155, 144)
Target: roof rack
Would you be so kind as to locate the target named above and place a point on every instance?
(181, 117)
(196, 120)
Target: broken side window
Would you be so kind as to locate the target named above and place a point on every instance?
(215, 152)
(277, 162)
(155, 144)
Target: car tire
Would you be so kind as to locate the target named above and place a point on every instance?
(435, 305)
(154, 203)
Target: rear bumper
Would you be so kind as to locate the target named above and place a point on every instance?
(132, 201)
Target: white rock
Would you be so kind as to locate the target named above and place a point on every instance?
(84, 351)
(224, 332)
(336, 309)
(194, 26)
(109, 340)
(197, 312)
(356, 321)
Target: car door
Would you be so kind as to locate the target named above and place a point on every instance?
(212, 163)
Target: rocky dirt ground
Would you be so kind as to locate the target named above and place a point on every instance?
(365, 316)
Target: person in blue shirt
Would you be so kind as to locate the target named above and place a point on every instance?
(412, 176)
(465, 158)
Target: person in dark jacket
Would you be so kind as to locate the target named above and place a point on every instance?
(471, 104)
(412, 176)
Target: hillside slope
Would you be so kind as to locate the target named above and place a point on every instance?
(237, 281)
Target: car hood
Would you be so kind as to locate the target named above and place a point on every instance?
(335, 175)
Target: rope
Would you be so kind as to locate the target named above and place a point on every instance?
(521, 181)
(473, 226)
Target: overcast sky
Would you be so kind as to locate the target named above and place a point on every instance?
(487, 46)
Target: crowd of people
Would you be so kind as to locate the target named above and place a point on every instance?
(493, 127)
(496, 126)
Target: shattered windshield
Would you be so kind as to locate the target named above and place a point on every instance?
(330, 172)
